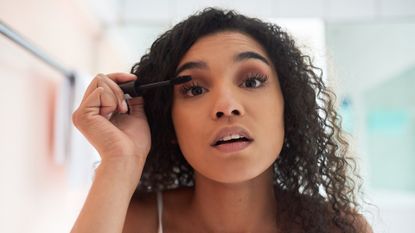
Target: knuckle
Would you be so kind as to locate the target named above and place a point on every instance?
(99, 80)
(98, 77)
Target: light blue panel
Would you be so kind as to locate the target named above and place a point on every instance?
(389, 122)
(390, 109)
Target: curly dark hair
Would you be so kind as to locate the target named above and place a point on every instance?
(313, 168)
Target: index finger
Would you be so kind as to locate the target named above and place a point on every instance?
(116, 77)
(121, 77)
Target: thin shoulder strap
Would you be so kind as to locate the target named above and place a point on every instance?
(160, 210)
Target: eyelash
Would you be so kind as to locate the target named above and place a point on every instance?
(250, 77)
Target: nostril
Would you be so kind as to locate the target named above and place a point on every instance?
(236, 112)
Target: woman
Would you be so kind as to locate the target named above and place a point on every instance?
(251, 144)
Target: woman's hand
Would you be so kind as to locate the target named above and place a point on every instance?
(102, 119)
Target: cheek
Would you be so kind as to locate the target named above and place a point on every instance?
(271, 139)
(273, 135)
(272, 126)
(189, 130)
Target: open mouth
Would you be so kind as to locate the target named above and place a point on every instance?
(232, 140)
(232, 145)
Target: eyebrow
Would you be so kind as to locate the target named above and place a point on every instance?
(238, 58)
(192, 65)
(250, 55)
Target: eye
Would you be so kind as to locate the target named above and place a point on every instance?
(254, 80)
(192, 89)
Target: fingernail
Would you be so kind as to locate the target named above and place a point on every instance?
(124, 105)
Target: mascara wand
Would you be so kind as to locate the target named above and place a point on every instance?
(135, 88)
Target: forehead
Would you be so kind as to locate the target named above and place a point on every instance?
(232, 42)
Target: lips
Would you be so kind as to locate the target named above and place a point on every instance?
(231, 132)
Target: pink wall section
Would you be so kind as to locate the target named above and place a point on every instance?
(35, 192)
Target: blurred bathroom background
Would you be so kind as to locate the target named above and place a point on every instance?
(365, 47)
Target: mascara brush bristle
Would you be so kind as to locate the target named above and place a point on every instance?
(180, 80)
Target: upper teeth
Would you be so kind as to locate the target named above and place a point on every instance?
(233, 136)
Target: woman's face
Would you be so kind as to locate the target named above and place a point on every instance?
(229, 117)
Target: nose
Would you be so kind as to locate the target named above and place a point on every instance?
(226, 104)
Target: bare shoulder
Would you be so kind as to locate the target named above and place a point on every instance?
(141, 214)
(354, 218)
(362, 225)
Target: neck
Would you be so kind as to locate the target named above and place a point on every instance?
(242, 207)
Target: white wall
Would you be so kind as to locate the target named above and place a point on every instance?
(140, 21)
